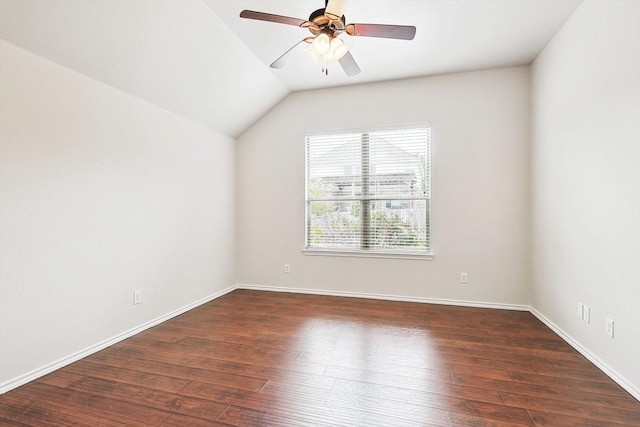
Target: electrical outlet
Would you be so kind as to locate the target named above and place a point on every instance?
(609, 327)
(580, 310)
(287, 268)
(586, 314)
(137, 296)
(464, 278)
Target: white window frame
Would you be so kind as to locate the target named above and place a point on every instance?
(365, 201)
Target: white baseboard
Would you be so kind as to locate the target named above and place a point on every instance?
(386, 297)
(44, 370)
(611, 373)
(37, 373)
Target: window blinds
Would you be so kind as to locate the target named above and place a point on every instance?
(369, 191)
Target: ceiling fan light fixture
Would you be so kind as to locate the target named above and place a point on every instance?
(321, 44)
(326, 49)
(325, 25)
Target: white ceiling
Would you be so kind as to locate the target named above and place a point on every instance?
(452, 36)
(199, 59)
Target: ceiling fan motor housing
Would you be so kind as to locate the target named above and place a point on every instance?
(322, 23)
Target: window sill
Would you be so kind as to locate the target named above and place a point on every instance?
(368, 254)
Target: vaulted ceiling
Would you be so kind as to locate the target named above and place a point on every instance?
(199, 59)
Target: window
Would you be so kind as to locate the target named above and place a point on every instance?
(369, 192)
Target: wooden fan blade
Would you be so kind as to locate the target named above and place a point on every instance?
(402, 32)
(282, 61)
(349, 65)
(279, 19)
(335, 9)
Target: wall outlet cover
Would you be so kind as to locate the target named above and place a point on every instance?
(609, 329)
(580, 310)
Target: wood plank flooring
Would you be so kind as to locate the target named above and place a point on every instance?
(275, 359)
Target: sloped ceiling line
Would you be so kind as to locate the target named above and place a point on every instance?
(199, 59)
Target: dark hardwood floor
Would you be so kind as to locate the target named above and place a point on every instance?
(276, 359)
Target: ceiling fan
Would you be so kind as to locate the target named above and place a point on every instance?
(326, 25)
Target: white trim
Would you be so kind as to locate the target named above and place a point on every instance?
(67, 360)
(37, 373)
(606, 369)
(610, 372)
(368, 254)
(373, 128)
(386, 297)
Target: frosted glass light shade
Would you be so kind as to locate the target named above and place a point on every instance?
(337, 51)
(326, 49)
(312, 52)
(321, 44)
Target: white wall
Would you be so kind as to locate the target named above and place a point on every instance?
(480, 208)
(586, 182)
(100, 194)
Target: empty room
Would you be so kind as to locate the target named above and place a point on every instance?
(320, 212)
